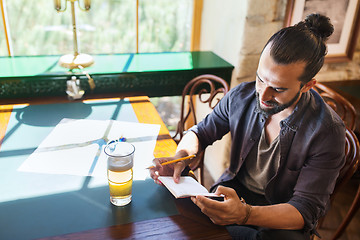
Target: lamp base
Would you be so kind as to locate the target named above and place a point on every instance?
(70, 61)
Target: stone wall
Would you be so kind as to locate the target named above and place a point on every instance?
(239, 31)
(263, 18)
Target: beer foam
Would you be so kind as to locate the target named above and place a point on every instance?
(120, 156)
(120, 165)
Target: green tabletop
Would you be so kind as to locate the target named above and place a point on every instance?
(27, 66)
(35, 205)
(151, 74)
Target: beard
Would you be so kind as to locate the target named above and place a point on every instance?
(276, 107)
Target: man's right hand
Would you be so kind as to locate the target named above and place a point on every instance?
(173, 169)
(189, 145)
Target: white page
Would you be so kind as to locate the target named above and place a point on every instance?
(76, 147)
(186, 187)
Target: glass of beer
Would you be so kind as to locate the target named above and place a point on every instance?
(120, 156)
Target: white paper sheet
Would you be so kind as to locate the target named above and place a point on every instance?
(76, 147)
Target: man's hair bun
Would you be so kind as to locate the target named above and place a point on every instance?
(303, 42)
(320, 25)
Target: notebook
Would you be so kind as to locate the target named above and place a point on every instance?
(186, 187)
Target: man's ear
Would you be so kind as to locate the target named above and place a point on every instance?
(308, 85)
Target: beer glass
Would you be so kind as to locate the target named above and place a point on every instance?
(120, 156)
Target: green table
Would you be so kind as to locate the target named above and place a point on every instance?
(35, 205)
(150, 74)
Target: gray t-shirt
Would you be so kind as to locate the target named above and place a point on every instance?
(260, 165)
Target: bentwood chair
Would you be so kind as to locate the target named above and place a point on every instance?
(340, 104)
(350, 167)
(206, 88)
(348, 114)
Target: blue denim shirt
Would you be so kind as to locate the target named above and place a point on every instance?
(312, 146)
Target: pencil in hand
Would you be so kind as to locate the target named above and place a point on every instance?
(174, 161)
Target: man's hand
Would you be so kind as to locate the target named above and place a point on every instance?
(174, 169)
(189, 145)
(230, 211)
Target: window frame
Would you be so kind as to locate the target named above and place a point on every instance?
(195, 27)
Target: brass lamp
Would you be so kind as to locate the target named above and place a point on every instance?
(76, 60)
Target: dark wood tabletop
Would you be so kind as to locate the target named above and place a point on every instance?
(189, 224)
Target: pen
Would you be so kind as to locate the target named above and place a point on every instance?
(174, 161)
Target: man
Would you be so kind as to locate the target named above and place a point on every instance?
(287, 144)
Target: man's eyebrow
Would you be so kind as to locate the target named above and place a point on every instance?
(259, 76)
(277, 88)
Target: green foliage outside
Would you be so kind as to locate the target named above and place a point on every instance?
(109, 27)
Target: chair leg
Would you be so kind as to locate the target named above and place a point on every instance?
(350, 214)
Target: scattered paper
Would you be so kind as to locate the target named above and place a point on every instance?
(76, 147)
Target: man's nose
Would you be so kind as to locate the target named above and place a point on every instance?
(266, 94)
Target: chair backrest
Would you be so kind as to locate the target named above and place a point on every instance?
(206, 87)
(341, 105)
(201, 85)
(351, 161)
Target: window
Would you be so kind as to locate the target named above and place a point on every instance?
(108, 27)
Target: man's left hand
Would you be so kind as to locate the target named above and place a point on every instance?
(230, 211)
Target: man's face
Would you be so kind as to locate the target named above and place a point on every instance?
(277, 85)
(275, 106)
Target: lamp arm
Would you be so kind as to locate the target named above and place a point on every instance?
(76, 51)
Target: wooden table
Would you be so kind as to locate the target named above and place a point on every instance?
(189, 224)
(51, 216)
